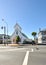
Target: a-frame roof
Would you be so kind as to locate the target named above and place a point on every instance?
(17, 25)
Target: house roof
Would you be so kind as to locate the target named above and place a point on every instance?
(24, 35)
(1, 36)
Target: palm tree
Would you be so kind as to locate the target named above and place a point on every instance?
(34, 34)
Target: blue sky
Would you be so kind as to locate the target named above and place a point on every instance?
(30, 15)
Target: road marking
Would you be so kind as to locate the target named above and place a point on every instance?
(32, 49)
(26, 58)
(11, 49)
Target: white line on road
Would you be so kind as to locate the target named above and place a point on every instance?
(11, 49)
(32, 49)
(26, 58)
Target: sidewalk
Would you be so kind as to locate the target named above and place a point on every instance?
(8, 46)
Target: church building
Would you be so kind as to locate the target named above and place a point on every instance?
(18, 32)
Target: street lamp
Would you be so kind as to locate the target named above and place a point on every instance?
(7, 29)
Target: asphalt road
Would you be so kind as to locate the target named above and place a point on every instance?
(23, 55)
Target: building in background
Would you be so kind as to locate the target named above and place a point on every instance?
(42, 36)
(18, 32)
(4, 39)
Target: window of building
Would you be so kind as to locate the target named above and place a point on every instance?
(17, 32)
(44, 38)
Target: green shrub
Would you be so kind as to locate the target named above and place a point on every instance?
(18, 39)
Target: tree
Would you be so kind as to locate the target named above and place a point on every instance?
(34, 34)
(18, 39)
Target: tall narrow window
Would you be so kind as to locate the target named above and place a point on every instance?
(16, 32)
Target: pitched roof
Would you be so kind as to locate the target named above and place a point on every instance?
(17, 25)
(24, 35)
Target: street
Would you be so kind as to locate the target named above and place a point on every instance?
(23, 55)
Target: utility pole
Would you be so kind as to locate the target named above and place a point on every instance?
(4, 28)
(7, 30)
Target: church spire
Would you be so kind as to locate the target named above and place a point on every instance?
(17, 26)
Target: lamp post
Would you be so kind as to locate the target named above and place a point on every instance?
(7, 29)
